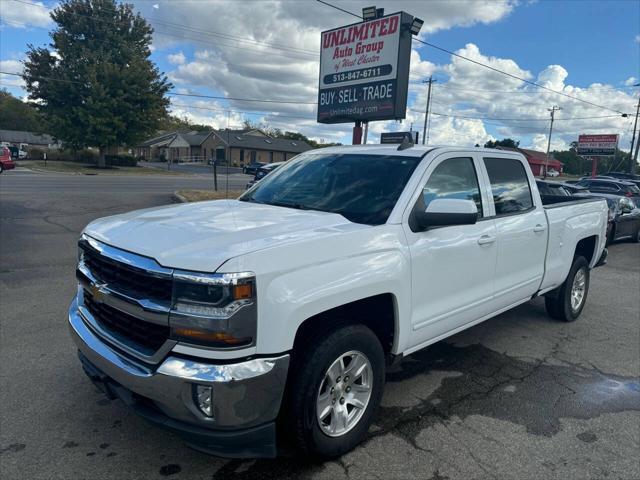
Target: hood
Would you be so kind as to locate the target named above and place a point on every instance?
(201, 236)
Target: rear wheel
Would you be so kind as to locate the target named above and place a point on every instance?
(566, 302)
(335, 391)
(1, 168)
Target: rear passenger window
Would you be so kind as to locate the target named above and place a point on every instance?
(509, 185)
(453, 178)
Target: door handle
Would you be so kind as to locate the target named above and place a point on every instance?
(539, 228)
(486, 240)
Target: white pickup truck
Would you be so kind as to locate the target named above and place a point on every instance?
(220, 320)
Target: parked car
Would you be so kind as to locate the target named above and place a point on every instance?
(263, 172)
(308, 285)
(624, 175)
(611, 186)
(252, 168)
(553, 173)
(624, 218)
(6, 163)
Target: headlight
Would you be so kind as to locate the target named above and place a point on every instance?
(217, 310)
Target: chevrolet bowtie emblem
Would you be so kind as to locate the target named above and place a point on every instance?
(96, 292)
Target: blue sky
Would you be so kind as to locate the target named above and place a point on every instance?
(593, 48)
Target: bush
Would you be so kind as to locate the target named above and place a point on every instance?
(35, 153)
(121, 161)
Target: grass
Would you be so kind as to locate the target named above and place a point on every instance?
(88, 169)
(204, 195)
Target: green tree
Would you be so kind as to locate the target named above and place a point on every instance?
(18, 115)
(505, 142)
(96, 84)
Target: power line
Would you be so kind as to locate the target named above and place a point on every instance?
(197, 95)
(490, 67)
(216, 97)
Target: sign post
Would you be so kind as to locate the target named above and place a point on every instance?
(364, 71)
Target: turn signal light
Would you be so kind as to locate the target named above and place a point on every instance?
(242, 292)
(202, 336)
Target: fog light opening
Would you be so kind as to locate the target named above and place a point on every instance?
(204, 399)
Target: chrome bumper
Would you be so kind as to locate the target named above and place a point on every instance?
(245, 394)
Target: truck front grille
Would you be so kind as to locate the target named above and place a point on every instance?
(135, 282)
(146, 337)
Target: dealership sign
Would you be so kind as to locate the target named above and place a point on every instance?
(597, 145)
(364, 70)
(398, 137)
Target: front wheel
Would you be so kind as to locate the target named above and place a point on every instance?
(566, 302)
(336, 390)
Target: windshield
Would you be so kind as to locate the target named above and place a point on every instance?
(362, 188)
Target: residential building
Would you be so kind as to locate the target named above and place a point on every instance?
(239, 147)
(25, 140)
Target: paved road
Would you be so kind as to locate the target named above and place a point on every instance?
(517, 397)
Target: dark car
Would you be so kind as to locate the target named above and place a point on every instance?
(611, 186)
(252, 168)
(575, 189)
(624, 218)
(624, 176)
(5, 160)
(263, 172)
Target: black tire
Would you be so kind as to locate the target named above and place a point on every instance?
(558, 302)
(1, 168)
(636, 237)
(307, 379)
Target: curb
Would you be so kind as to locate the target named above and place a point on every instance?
(179, 198)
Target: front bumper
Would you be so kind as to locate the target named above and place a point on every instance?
(246, 396)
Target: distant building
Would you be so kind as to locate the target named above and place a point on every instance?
(537, 160)
(24, 140)
(240, 147)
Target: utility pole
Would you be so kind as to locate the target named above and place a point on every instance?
(546, 162)
(426, 112)
(633, 158)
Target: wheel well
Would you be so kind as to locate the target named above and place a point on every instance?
(377, 313)
(586, 248)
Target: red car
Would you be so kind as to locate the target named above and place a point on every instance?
(5, 160)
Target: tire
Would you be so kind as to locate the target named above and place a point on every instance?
(636, 237)
(311, 382)
(1, 168)
(559, 303)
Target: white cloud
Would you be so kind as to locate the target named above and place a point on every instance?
(22, 15)
(630, 81)
(637, 39)
(177, 58)
(224, 63)
(13, 66)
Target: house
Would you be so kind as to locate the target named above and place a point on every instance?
(239, 147)
(537, 160)
(25, 140)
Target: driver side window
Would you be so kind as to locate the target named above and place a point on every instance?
(454, 178)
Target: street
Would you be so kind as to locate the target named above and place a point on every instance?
(520, 396)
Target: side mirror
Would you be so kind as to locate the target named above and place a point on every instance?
(446, 211)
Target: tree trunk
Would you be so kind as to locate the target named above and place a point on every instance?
(102, 158)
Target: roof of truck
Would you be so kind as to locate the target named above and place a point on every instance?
(414, 151)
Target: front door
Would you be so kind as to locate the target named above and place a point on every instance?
(452, 267)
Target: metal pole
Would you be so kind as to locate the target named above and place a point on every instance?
(366, 132)
(357, 133)
(546, 162)
(634, 158)
(426, 111)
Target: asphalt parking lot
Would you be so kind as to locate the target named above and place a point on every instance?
(520, 396)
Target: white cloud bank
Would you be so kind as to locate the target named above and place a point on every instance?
(21, 15)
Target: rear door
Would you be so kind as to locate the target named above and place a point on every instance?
(521, 225)
(452, 267)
